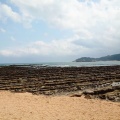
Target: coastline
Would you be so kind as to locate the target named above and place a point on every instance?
(59, 93)
(95, 82)
(64, 64)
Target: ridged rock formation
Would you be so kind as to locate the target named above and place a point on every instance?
(94, 82)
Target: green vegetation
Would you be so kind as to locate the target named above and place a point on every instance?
(115, 57)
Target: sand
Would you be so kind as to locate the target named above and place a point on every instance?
(25, 106)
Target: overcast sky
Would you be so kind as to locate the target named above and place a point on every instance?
(58, 30)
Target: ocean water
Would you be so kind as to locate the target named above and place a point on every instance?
(67, 64)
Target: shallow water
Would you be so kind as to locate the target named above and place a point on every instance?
(67, 64)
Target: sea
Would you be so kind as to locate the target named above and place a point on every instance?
(66, 64)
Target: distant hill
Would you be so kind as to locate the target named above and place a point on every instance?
(115, 57)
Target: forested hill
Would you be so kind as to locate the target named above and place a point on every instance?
(115, 57)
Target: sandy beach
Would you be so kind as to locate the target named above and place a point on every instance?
(25, 106)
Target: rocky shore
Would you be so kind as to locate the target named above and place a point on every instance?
(92, 82)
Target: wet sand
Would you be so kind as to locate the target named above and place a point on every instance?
(25, 106)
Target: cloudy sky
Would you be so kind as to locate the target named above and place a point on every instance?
(58, 30)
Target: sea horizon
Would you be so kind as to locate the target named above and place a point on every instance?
(65, 64)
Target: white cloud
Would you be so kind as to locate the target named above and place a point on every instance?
(6, 53)
(74, 46)
(95, 25)
(7, 12)
(77, 16)
(65, 47)
(70, 14)
(88, 19)
(2, 30)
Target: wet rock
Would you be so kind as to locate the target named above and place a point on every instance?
(87, 96)
(102, 96)
(117, 99)
(78, 94)
(94, 81)
(112, 98)
(88, 91)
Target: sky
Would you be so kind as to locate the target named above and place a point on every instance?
(58, 30)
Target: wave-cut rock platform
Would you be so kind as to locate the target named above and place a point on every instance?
(94, 82)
